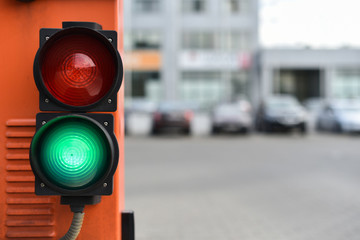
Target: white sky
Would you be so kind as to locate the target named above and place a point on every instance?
(315, 23)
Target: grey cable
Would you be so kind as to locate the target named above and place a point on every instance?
(75, 227)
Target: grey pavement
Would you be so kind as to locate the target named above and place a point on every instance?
(276, 187)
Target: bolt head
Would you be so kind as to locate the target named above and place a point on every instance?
(42, 185)
(105, 184)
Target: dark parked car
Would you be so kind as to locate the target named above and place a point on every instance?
(232, 117)
(281, 112)
(340, 116)
(173, 116)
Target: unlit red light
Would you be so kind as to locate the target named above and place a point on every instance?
(77, 69)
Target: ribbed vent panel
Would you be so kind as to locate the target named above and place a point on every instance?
(28, 216)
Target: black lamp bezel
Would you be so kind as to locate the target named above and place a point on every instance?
(104, 186)
(108, 103)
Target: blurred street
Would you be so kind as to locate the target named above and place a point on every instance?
(259, 187)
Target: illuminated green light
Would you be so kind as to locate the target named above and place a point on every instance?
(71, 151)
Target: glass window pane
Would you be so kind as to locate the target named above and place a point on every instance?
(145, 39)
(230, 41)
(146, 6)
(346, 83)
(198, 40)
(236, 6)
(193, 6)
(204, 88)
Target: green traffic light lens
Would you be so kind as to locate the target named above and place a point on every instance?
(71, 151)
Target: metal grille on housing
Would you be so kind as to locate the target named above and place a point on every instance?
(27, 215)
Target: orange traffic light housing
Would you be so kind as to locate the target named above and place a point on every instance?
(22, 213)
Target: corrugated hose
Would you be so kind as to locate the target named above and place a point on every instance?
(75, 226)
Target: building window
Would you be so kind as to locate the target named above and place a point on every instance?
(204, 88)
(235, 6)
(232, 41)
(239, 84)
(145, 85)
(193, 6)
(209, 88)
(146, 6)
(225, 41)
(346, 83)
(145, 40)
(198, 40)
(232, 6)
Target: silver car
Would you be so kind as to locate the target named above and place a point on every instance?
(340, 116)
(232, 117)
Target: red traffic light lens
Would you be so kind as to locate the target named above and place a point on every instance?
(78, 68)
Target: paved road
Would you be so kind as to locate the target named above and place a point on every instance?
(282, 187)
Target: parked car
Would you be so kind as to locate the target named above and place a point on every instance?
(281, 112)
(340, 116)
(135, 110)
(232, 117)
(173, 115)
(314, 107)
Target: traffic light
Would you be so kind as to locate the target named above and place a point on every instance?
(74, 152)
(78, 68)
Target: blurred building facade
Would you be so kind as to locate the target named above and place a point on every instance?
(201, 51)
(311, 73)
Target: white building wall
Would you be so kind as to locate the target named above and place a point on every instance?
(326, 60)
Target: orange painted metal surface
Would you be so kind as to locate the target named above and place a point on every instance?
(23, 215)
